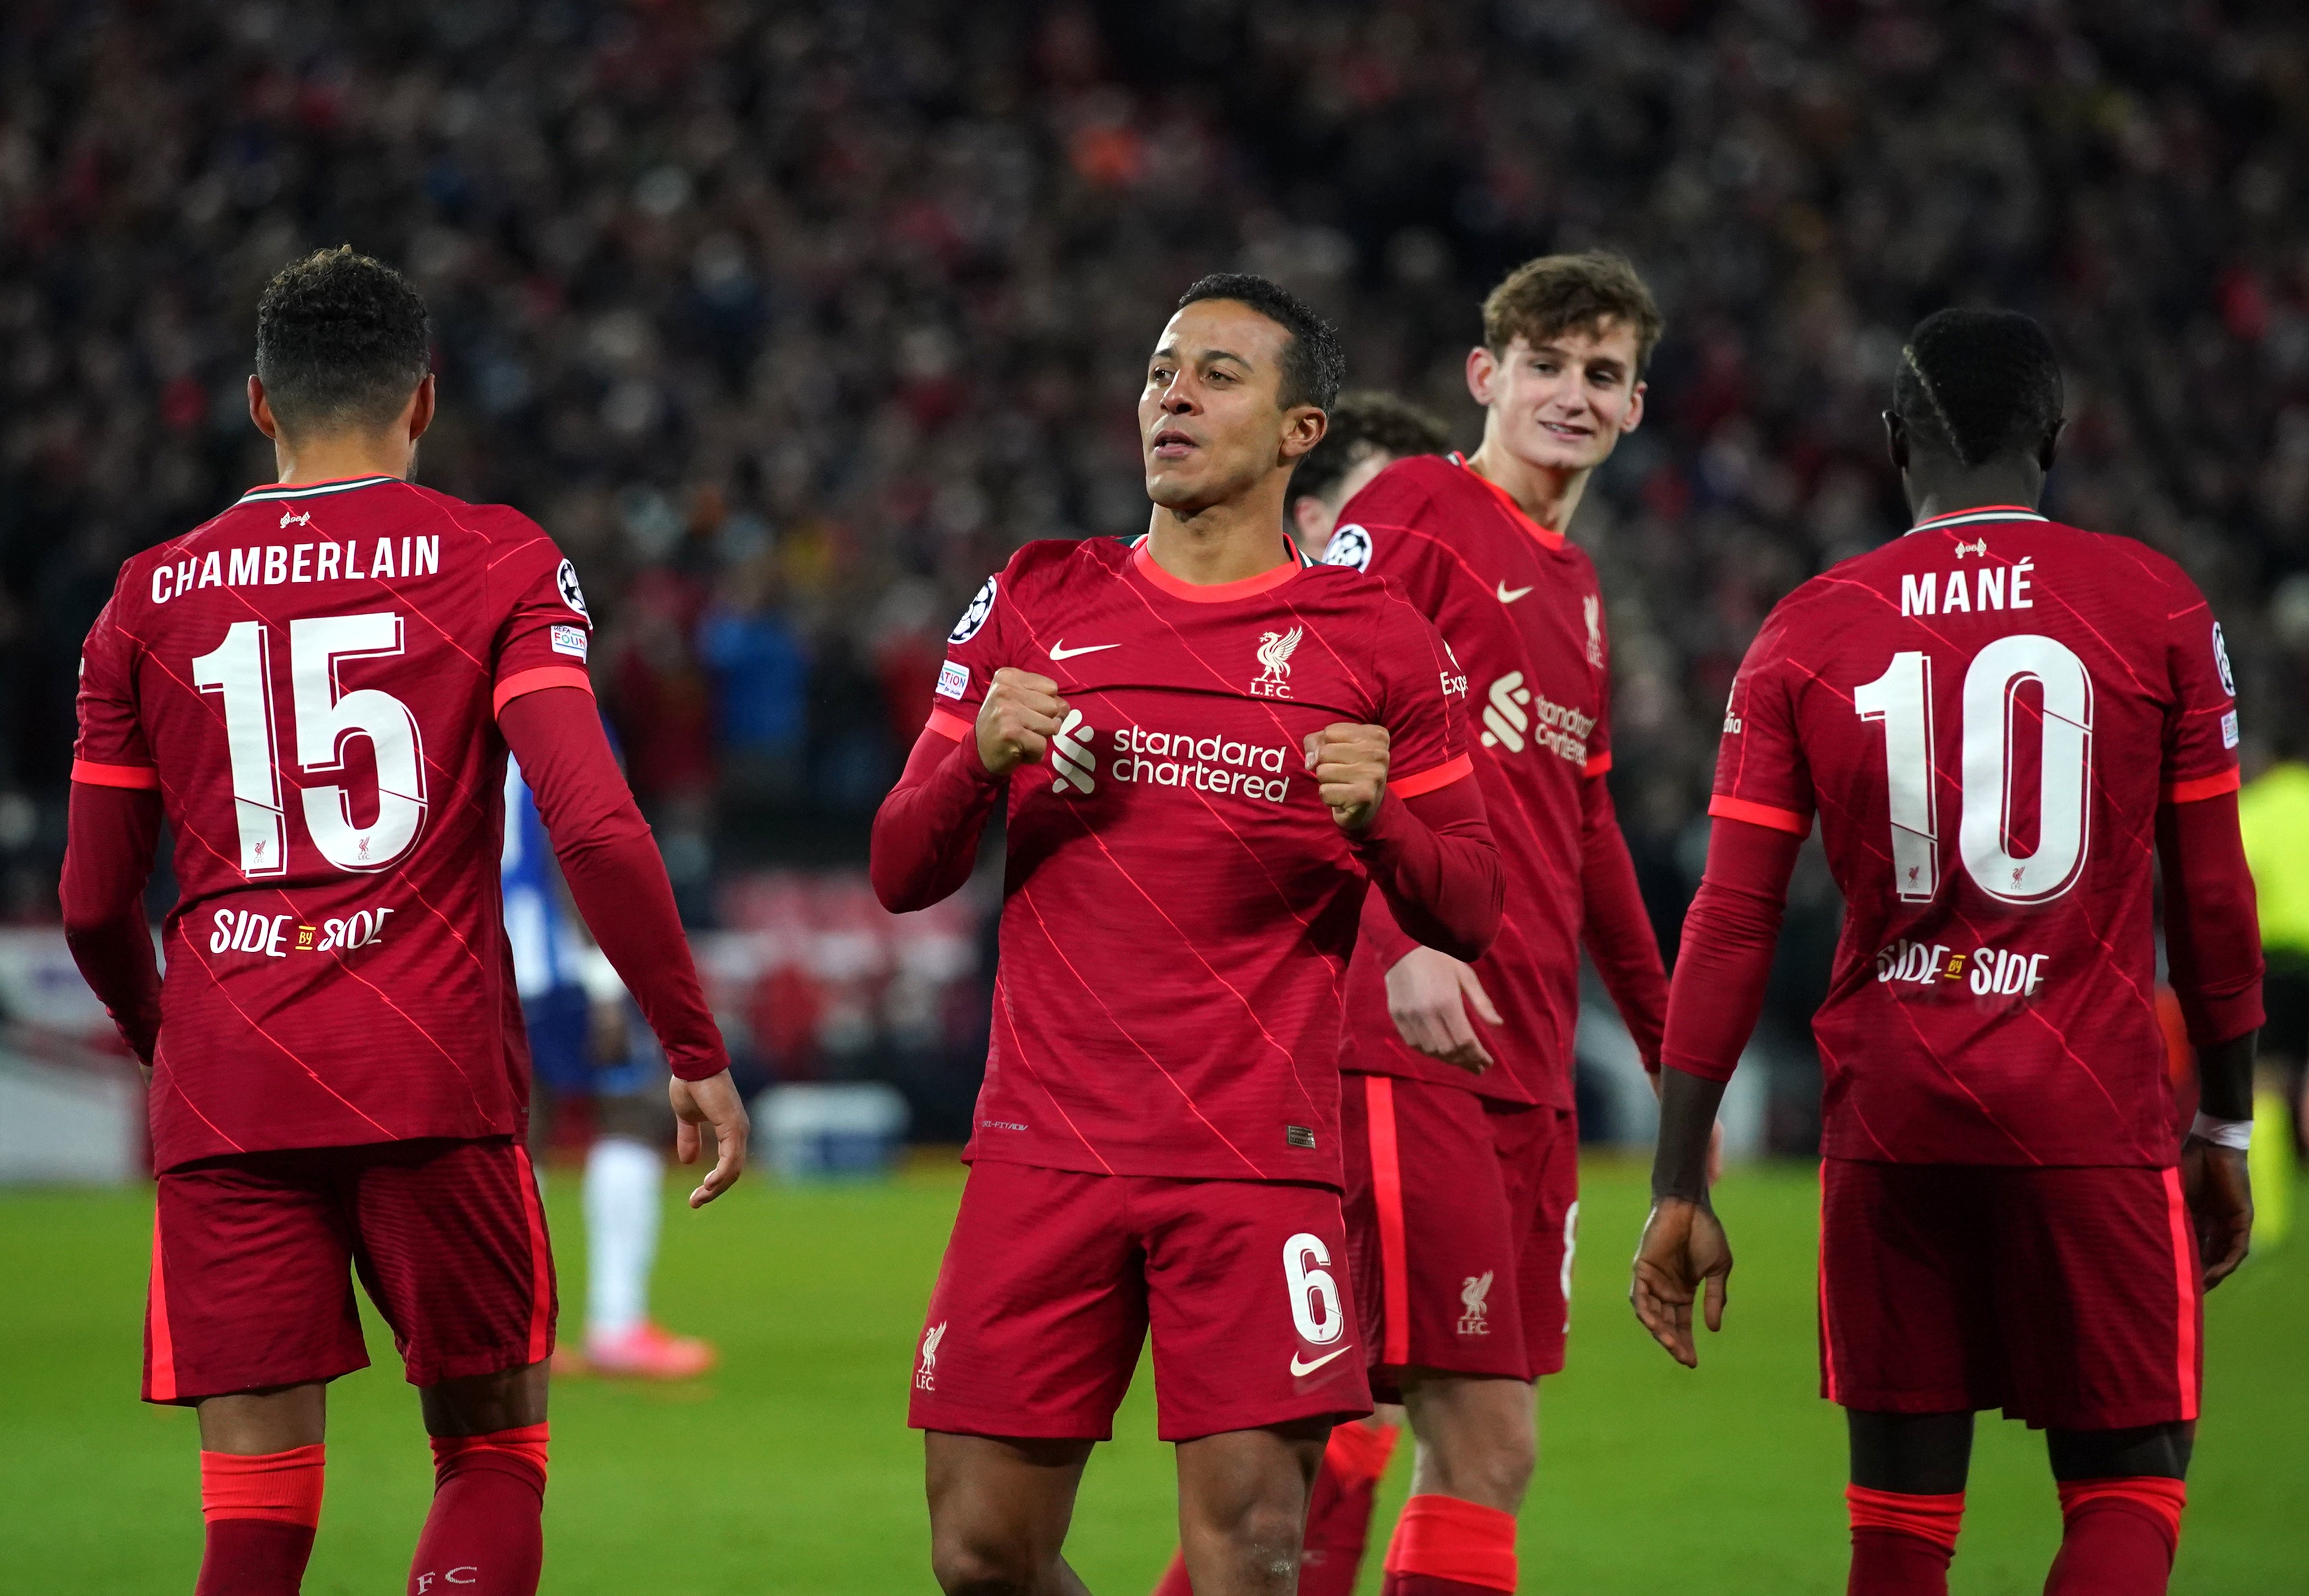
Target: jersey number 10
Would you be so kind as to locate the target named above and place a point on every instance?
(1902, 699)
(239, 670)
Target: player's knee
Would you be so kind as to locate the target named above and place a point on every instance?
(981, 1565)
(1262, 1543)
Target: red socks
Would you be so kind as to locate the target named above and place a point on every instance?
(1339, 1513)
(1444, 1546)
(485, 1536)
(2117, 1536)
(260, 1513)
(1901, 1544)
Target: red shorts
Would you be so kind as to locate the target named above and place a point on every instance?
(250, 1287)
(1462, 1215)
(2068, 1298)
(1052, 1278)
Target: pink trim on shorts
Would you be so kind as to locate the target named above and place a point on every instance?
(540, 1263)
(163, 1378)
(1387, 1194)
(2177, 1209)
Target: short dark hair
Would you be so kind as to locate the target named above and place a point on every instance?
(1360, 423)
(340, 342)
(1312, 366)
(1978, 384)
(1571, 293)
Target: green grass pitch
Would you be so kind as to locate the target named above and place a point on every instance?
(791, 1469)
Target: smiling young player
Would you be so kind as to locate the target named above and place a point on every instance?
(1462, 1146)
(1208, 746)
(2000, 721)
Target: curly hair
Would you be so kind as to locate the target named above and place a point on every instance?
(1362, 422)
(340, 342)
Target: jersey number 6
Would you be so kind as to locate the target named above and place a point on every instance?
(1902, 699)
(239, 670)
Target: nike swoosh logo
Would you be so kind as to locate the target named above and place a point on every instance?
(1509, 595)
(1300, 1369)
(1060, 651)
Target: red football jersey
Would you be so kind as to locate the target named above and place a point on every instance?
(1179, 905)
(1524, 616)
(311, 681)
(1986, 714)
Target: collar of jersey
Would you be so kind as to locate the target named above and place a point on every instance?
(1547, 537)
(1979, 512)
(1222, 592)
(311, 490)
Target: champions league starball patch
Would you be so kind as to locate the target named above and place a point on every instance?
(574, 596)
(974, 618)
(1349, 546)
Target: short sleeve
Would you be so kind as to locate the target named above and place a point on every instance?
(1423, 702)
(110, 749)
(1761, 776)
(2201, 731)
(978, 646)
(546, 632)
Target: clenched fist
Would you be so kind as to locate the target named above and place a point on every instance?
(1021, 713)
(1349, 765)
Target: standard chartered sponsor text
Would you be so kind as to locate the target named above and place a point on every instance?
(1206, 764)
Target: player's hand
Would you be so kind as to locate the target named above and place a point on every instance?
(1715, 1132)
(714, 1103)
(1021, 714)
(2219, 1190)
(1682, 1254)
(1349, 765)
(1428, 997)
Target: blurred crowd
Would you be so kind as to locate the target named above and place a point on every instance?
(791, 321)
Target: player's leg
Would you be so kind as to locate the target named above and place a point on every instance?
(625, 1205)
(999, 1514)
(1908, 1347)
(2101, 1267)
(1033, 1332)
(1255, 1357)
(1338, 1508)
(250, 1314)
(1242, 1506)
(1488, 1290)
(450, 1243)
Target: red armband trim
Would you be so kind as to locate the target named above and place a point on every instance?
(946, 725)
(1597, 765)
(1780, 820)
(115, 775)
(2202, 787)
(533, 681)
(1434, 777)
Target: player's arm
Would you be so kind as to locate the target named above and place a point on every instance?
(2212, 941)
(1615, 927)
(926, 833)
(617, 881)
(1729, 936)
(1430, 854)
(111, 832)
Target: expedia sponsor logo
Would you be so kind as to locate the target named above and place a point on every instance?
(1206, 763)
(1515, 717)
(1984, 971)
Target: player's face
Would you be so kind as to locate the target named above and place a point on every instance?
(1564, 404)
(1209, 428)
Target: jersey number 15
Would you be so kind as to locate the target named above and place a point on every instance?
(239, 670)
(1902, 700)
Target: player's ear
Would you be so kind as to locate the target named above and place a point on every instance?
(1896, 440)
(1635, 416)
(1482, 375)
(2051, 443)
(1304, 427)
(260, 407)
(418, 416)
